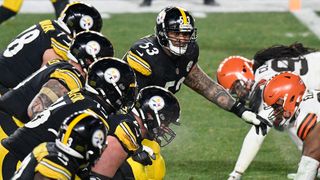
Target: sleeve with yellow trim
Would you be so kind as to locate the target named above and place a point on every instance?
(56, 165)
(60, 41)
(69, 77)
(129, 136)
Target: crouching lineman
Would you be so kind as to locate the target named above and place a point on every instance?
(294, 105)
(47, 40)
(155, 110)
(110, 86)
(81, 139)
(235, 73)
(52, 81)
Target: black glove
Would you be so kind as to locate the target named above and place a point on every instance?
(144, 155)
(251, 118)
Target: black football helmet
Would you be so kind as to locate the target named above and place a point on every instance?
(114, 81)
(157, 108)
(83, 135)
(79, 16)
(88, 46)
(175, 19)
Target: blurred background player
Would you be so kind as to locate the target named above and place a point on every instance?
(169, 58)
(10, 8)
(47, 40)
(110, 87)
(81, 139)
(155, 110)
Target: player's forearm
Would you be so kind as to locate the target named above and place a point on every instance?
(211, 90)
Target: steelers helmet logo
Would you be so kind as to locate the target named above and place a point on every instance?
(156, 103)
(98, 138)
(112, 75)
(93, 47)
(86, 22)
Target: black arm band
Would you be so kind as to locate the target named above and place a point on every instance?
(238, 109)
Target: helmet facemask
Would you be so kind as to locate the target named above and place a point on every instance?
(240, 89)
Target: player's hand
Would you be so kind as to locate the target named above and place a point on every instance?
(235, 175)
(260, 123)
(251, 118)
(144, 155)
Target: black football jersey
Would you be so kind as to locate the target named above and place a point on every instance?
(154, 67)
(126, 129)
(24, 54)
(16, 101)
(49, 161)
(45, 125)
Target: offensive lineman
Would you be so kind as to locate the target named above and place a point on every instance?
(110, 86)
(47, 40)
(52, 81)
(81, 139)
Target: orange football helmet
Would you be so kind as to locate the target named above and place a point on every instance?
(284, 93)
(235, 74)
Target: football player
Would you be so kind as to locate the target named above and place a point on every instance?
(10, 8)
(47, 40)
(295, 106)
(110, 86)
(52, 81)
(155, 110)
(169, 58)
(236, 74)
(81, 139)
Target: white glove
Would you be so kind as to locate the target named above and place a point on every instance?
(235, 176)
(251, 118)
(256, 120)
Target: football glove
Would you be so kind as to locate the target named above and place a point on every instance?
(144, 155)
(251, 118)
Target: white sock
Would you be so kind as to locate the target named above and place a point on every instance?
(308, 168)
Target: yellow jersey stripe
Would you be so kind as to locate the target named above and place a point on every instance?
(138, 64)
(183, 14)
(125, 135)
(59, 48)
(70, 78)
(52, 170)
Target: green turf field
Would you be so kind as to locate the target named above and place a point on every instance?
(209, 139)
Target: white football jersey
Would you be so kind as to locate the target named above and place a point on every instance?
(308, 67)
(306, 117)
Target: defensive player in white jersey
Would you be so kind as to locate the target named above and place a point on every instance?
(295, 106)
(235, 73)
